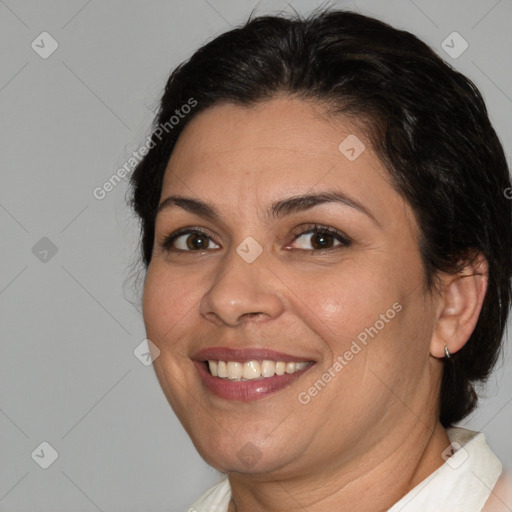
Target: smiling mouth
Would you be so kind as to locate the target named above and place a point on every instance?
(253, 370)
(248, 374)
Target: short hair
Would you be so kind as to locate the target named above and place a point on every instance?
(427, 123)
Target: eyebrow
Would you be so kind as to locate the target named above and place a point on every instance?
(277, 210)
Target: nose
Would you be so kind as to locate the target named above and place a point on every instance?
(242, 290)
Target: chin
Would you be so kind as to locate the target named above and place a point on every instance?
(249, 455)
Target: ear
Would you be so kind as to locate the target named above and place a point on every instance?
(461, 299)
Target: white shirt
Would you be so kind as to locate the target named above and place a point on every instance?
(464, 483)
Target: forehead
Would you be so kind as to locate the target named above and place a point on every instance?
(279, 139)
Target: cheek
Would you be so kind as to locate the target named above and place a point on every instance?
(374, 309)
(166, 301)
(342, 304)
(165, 304)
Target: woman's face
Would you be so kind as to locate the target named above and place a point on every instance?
(257, 284)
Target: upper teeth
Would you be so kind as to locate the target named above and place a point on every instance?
(233, 370)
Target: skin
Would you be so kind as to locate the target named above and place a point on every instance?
(372, 433)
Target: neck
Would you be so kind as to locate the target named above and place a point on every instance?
(372, 482)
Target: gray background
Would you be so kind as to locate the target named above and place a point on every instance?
(70, 320)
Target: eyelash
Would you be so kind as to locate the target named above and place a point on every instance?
(313, 228)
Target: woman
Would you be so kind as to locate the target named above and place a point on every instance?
(328, 252)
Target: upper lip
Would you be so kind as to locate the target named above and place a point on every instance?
(244, 355)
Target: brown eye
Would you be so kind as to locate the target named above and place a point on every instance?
(188, 241)
(323, 237)
(196, 241)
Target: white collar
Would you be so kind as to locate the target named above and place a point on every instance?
(462, 484)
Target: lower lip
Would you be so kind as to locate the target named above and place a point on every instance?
(246, 391)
